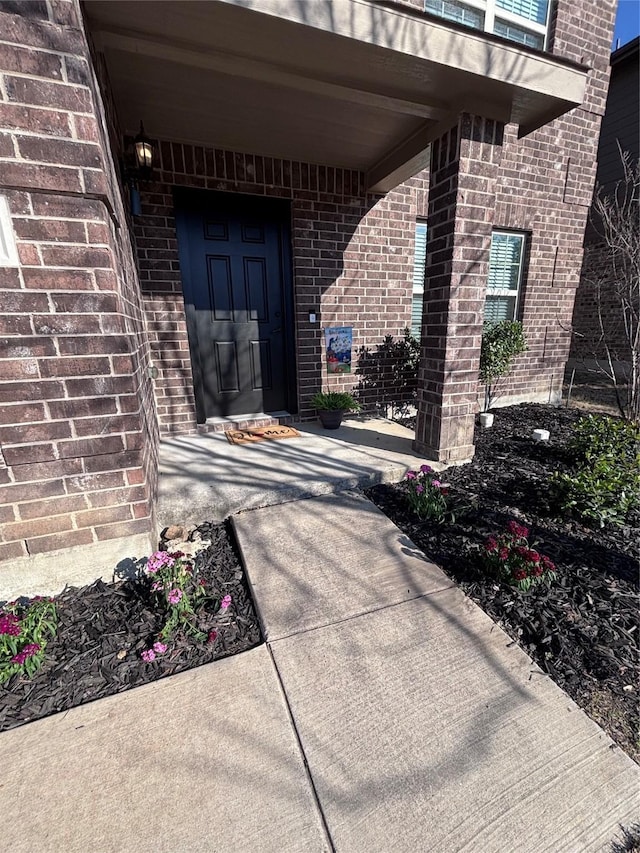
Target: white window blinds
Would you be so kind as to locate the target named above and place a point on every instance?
(505, 276)
(419, 263)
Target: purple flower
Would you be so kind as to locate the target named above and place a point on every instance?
(411, 475)
(419, 488)
(28, 651)
(148, 655)
(426, 469)
(226, 601)
(10, 624)
(174, 596)
(159, 648)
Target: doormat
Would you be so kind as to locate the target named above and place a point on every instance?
(266, 433)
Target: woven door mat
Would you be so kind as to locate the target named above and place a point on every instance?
(266, 433)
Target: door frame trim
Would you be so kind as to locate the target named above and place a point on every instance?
(278, 210)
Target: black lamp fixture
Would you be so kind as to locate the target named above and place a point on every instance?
(137, 165)
(143, 148)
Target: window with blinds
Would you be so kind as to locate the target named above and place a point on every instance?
(523, 21)
(505, 276)
(419, 262)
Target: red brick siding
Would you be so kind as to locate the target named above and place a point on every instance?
(77, 423)
(545, 187)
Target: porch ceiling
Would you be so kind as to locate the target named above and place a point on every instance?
(348, 83)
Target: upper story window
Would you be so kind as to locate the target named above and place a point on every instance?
(523, 21)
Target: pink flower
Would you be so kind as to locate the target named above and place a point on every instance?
(426, 469)
(159, 648)
(436, 483)
(156, 585)
(148, 655)
(212, 636)
(157, 561)
(226, 601)
(411, 475)
(174, 596)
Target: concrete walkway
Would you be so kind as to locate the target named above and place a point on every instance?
(205, 477)
(385, 713)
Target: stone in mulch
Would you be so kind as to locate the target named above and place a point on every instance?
(103, 628)
(582, 631)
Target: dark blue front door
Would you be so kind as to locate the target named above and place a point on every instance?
(233, 268)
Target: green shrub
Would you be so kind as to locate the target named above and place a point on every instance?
(333, 401)
(605, 483)
(501, 343)
(597, 436)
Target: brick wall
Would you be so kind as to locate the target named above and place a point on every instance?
(620, 126)
(545, 188)
(77, 420)
(352, 257)
(465, 163)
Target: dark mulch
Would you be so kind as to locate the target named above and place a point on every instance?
(583, 631)
(102, 628)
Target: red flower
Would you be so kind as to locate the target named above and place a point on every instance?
(520, 574)
(517, 529)
(491, 544)
(176, 554)
(212, 636)
(533, 556)
(537, 571)
(548, 564)
(503, 554)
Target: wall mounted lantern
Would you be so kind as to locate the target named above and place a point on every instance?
(143, 148)
(137, 165)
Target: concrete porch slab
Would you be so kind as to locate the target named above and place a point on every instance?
(315, 562)
(425, 728)
(203, 761)
(203, 477)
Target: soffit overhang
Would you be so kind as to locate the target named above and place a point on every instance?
(348, 83)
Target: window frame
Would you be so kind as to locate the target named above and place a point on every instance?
(491, 11)
(503, 291)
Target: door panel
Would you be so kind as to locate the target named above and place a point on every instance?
(231, 254)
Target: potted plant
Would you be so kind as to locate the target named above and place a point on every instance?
(501, 343)
(331, 407)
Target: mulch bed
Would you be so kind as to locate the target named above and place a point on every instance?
(583, 631)
(102, 628)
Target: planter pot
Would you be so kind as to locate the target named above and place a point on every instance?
(486, 419)
(330, 418)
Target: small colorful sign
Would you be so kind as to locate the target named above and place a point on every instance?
(338, 343)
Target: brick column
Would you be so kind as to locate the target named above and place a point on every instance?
(464, 167)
